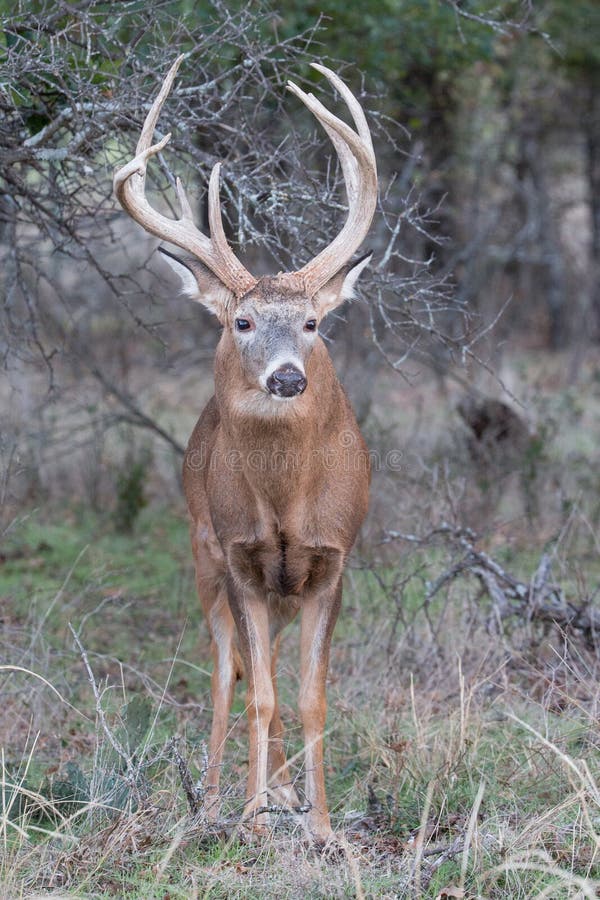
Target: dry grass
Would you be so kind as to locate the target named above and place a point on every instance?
(477, 777)
(463, 749)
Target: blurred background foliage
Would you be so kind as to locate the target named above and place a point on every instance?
(472, 356)
(486, 120)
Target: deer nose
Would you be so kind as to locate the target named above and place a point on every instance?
(286, 382)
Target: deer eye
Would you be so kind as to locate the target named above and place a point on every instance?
(243, 324)
(310, 325)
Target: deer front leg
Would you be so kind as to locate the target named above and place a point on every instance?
(252, 619)
(320, 609)
(225, 673)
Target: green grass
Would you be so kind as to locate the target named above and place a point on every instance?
(419, 731)
(39, 553)
(82, 569)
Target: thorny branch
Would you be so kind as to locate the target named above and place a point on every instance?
(134, 765)
(72, 99)
(137, 416)
(195, 792)
(501, 26)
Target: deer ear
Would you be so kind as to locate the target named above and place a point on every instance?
(341, 286)
(199, 283)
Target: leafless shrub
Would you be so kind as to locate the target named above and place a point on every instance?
(82, 320)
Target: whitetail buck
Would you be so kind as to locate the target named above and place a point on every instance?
(276, 472)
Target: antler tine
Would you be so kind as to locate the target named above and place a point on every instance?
(129, 187)
(145, 139)
(346, 158)
(351, 102)
(357, 159)
(215, 221)
(184, 203)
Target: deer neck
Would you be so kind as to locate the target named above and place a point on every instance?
(255, 421)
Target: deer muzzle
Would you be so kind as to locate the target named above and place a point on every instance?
(286, 381)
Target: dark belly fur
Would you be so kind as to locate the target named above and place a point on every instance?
(285, 581)
(283, 567)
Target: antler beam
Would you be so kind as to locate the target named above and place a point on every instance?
(130, 189)
(359, 168)
(357, 159)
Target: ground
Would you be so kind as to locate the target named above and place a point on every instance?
(462, 750)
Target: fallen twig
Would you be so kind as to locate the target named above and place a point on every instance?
(540, 599)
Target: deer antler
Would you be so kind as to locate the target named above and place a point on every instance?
(357, 158)
(355, 152)
(129, 186)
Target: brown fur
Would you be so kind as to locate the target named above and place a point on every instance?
(276, 499)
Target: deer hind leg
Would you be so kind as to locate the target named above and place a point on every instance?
(319, 614)
(279, 780)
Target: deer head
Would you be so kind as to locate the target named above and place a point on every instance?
(271, 323)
